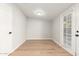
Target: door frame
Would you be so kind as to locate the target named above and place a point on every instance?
(70, 10)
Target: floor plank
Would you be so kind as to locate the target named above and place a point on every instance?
(40, 48)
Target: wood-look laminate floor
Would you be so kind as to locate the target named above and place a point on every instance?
(40, 48)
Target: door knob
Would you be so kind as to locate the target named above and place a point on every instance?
(10, 32)
(77, 31)
(76, 35)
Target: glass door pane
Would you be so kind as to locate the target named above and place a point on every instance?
(67, 30)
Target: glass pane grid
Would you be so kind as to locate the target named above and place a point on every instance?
(67, 31)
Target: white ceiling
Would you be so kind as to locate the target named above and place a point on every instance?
(51, 10)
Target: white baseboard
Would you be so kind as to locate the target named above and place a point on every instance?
(71, 52)
(57, 43)
(39, 38)
(16, 47)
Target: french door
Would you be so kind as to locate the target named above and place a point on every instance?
(69, 31)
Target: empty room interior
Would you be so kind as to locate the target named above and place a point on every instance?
(39, 29)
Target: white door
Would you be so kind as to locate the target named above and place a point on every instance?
(77, 30)
(77, 37)
(69, 37)
(5, 28)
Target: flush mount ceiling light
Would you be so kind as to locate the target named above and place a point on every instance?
(39, 12)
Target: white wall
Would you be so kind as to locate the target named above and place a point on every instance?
(38, 29)
(56, 30)
(19, 27)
